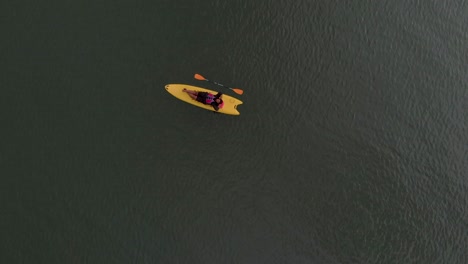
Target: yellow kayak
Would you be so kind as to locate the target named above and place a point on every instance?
(230, 103)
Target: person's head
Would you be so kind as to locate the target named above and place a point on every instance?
(218, 100)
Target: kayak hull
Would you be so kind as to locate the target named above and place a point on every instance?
(230, 103)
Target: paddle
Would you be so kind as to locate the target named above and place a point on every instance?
(201, 78)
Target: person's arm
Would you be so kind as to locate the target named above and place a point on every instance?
(215, 106)
(218, 95)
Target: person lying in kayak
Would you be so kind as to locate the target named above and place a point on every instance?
(207, 98)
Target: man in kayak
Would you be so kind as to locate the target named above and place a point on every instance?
(206, 98)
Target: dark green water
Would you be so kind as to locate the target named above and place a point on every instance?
(351, 146)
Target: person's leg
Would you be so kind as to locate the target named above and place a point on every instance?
(192, 94)
(194, 97)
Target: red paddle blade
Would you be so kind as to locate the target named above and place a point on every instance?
(237, 90)
(199, 77)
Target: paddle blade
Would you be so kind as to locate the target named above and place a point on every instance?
(199, 77)
(237, 90)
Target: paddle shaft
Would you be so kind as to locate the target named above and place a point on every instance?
(217, 83)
